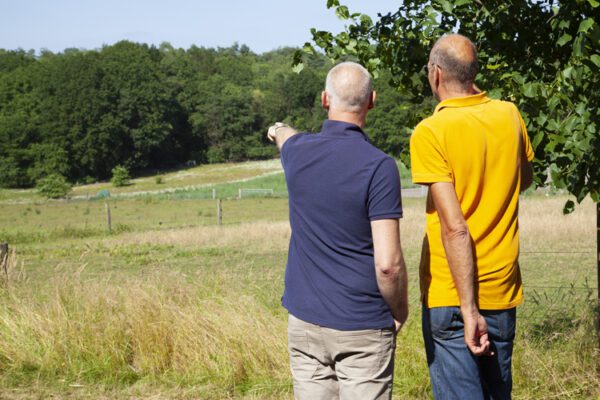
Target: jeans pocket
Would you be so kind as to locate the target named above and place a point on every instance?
(446, 322)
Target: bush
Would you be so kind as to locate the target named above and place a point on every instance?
(53, 186)
(215, 155)
(158, 179)
(120, 176)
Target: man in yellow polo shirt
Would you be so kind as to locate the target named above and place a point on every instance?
(474, 154)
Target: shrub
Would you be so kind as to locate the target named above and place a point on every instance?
(215, 155)
(120, 176)
(158, 179)
(53, 186)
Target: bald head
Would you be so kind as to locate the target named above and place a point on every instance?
(348, 87)
(457, 56)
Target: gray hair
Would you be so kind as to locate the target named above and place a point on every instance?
(348, 86)
(460, 66)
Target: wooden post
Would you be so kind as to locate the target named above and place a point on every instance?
(239, 193)
(108, 221)
(214, 192)
(219, 213)
(4, 259)
(598, 270)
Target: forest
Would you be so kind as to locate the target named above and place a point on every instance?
(80, 113)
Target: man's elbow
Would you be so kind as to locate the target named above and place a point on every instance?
(389, 271)
(458, 231)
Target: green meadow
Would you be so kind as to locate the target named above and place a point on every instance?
(171, 305)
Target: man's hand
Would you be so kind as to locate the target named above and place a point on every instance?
(397, 326)
(279, 133)
(476, 333)
(272, 132)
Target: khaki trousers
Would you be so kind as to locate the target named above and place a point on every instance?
(330, 364)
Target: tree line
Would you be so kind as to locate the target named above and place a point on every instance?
(81, 113)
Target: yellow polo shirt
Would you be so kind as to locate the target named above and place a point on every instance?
(478, 144)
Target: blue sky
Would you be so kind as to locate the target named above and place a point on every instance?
(263, 25)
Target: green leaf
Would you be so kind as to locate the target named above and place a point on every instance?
(298, 67)
(493, 67)
(297, 58)
(593, 3)
(564, 39)
(342, 12)
(332, 3)
(537, 139)
(529, 90)
(585, 25)
(553, 125)
(307, 48)
(366, 20)
(518, 78)
(578, 46)
(459, 3)
(595, 59)
(447, 6)
(564, 24)
(495, 93)
(569, 207)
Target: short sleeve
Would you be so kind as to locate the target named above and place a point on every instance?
(527, 149)
(384, 200)
(287, 146)
(427, 158)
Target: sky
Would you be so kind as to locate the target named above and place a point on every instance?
(263, 25)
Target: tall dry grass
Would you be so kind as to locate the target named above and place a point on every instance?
(160, 329)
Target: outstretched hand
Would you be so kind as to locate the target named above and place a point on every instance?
(272, 132)
(279, 133)
(476, 334)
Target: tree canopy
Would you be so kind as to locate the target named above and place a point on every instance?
(544, 55)
(81, 113)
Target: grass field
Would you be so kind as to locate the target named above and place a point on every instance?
(170, 305)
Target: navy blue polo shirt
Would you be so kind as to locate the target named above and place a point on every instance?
(338, 183)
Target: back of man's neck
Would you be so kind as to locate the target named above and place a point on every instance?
(351, 118)
(452, 94)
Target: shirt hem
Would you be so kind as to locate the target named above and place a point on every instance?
(338, 326)
(431, 178)
(385, 216)
(482, 306)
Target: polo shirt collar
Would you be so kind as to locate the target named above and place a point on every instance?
(342, 129)
(457, 102)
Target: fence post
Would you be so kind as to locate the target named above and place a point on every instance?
(219, 213)
(108, 221)
(214, 192)
(239, 193)
(598, 270)
(4, 259)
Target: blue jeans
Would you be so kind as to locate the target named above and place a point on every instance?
(456, 373)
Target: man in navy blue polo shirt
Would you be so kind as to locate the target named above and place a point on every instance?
(345, 281)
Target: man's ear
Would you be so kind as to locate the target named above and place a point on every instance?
(437, 76)
(325, 100)
(372, 99)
